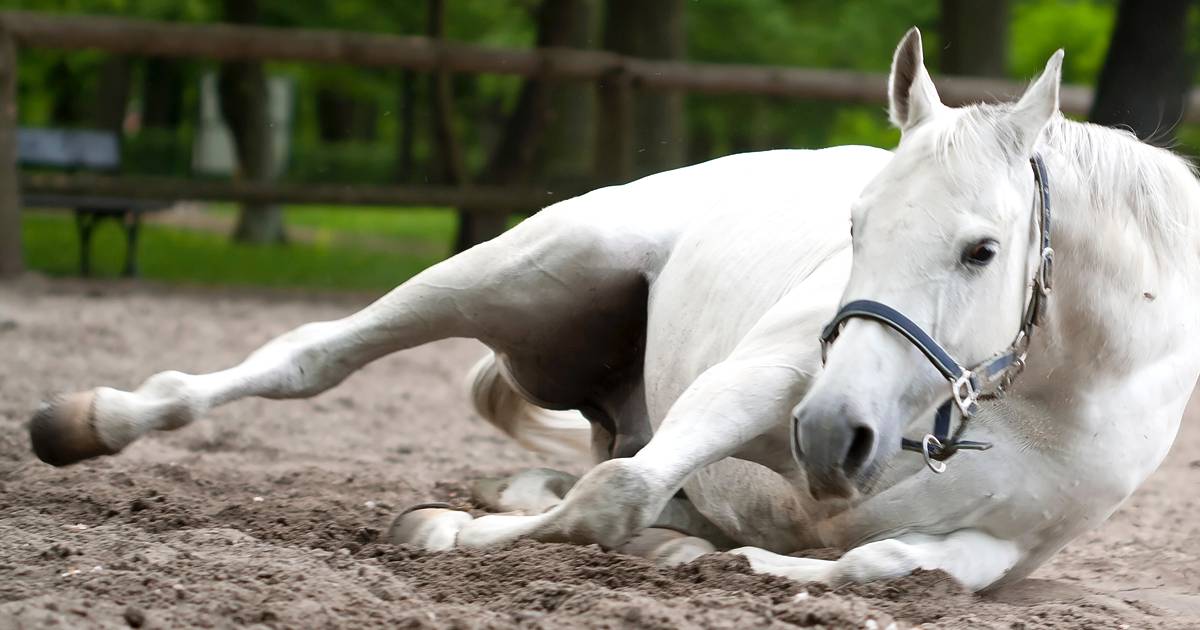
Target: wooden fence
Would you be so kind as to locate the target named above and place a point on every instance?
(621, 75)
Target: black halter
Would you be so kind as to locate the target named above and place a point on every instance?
(983, 381)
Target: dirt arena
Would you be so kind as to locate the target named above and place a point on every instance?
(269, 513)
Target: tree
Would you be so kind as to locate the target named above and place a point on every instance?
(245, 108)
(652, 30)
(406, 126)
(515, 158)
(113, 94)
(449, 164)
(974, 37)
(11, 257)
(162, 93)
(1147, 73)
(569, 149)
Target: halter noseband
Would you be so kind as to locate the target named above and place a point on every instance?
(986, 380)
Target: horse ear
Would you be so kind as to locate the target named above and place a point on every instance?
(911, 95)
(1038, 104)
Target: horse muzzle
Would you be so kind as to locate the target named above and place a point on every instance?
(839, 446)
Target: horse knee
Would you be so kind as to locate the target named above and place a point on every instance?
(610, 504)
(607, 507)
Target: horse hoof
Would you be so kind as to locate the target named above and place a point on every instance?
(667, 547)
(61, 430)
(430, 526)
(531, 491)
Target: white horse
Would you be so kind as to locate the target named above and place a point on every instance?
(681, 314)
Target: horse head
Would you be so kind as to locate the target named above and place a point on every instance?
(945, 237)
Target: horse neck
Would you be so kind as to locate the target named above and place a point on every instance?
(1120, 303)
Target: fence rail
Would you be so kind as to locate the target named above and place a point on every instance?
(478, 199)
(226, 42)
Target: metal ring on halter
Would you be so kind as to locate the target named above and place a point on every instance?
(934, 465)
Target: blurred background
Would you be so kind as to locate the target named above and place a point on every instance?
(272, 169)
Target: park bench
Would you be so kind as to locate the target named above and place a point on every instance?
(75, 150)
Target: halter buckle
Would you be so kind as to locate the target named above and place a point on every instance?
(965, 394)
(930, 440)
(1046, 271)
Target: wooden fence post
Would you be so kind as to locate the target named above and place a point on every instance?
(11, 262)
(614, 132)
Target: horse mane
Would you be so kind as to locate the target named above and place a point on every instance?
(1116, 171)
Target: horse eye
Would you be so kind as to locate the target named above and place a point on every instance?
(981, 253)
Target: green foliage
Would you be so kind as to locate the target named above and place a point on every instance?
(849, 35)
(1081, 28)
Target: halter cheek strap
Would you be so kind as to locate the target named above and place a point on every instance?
(986, 380)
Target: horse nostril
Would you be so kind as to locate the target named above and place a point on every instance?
(862, 443)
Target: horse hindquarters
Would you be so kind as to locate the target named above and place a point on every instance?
(562, 302)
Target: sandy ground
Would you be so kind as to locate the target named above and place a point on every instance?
(269, 513)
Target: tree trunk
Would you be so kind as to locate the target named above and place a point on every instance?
(406, 127)
(571, 129)
(449, 166)
(659, 116)
(162, 93)
(975, 37)
(11, 258)
(1146, 78)
(515, 157)
(614, 125)
(651, 30)
(335, 116)
(341, 118)
(113, 94)
(68, 104)
(243, 96)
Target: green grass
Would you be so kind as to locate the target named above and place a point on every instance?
(432, 225)
(185, 256)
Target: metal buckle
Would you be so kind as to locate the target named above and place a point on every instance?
(1020, 345)
(963, 390)
(936, 466)
(1010, 375)
(1045, 271)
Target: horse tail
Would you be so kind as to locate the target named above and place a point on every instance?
(547, 431)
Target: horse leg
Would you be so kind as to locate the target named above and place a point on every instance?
(667, 547)
(726, 407)
(972, 557)
(536, 490)
(530, 491)
(539, 276)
